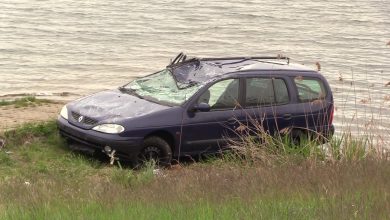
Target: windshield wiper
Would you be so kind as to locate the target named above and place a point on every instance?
(130, 91)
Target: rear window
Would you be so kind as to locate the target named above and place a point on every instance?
(309, 89)
(265, 91)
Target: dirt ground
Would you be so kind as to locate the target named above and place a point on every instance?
(11, 117)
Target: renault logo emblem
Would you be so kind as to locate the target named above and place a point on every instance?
(80, 119)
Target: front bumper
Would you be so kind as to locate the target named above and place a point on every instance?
(125, 147)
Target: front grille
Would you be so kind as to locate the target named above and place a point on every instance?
(86, 120)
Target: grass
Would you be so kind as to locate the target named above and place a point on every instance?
(27, 101)
(41, 179)
(256, 146)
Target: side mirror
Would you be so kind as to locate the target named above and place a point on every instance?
(202, 107)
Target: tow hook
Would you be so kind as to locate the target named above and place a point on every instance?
(112, 157)
(111, 154)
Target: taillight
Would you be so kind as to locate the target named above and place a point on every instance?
(331, 115)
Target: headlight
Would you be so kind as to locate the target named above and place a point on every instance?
(64, 112)
(109, 128)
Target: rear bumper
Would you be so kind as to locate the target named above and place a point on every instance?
(332, 129)
(125, 147)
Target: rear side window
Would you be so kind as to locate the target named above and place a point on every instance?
(309, 89)
(265, 91)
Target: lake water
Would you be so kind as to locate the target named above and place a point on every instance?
(78, 47)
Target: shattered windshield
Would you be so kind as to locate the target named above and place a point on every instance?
(161, 87)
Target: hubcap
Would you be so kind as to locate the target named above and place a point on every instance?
(150, 153)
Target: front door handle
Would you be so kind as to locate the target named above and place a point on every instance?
(232, 120)
(287, 116)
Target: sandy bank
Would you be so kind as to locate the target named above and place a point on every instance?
(11, 116)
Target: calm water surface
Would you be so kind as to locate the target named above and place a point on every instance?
(50, 47)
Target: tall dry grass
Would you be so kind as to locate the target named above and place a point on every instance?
(257, 146)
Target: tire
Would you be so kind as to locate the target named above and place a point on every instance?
(154, 148)
(300, 137)
(297, 137)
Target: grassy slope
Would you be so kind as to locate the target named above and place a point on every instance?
(42, 179)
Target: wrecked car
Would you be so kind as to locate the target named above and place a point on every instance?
(195, 106)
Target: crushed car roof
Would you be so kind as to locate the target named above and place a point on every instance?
(198, 70)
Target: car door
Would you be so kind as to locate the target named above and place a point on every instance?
(266, 105)
(312, 108)
(209, 131)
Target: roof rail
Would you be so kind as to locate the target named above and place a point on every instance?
(279, 57)
(182, 58)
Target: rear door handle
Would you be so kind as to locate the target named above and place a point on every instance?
(287, 116)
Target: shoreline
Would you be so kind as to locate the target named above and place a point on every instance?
(61, 96)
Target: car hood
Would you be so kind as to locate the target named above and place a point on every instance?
(113, 105)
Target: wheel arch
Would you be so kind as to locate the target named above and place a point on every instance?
(165, 135)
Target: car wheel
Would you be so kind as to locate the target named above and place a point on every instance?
(297, 136)
(157, 149)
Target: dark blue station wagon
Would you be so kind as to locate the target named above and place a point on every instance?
(195, 105)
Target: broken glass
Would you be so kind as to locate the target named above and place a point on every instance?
(161, 87)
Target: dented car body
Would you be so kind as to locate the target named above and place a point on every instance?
(195, 105)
